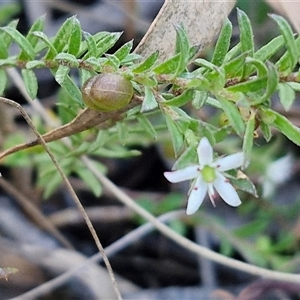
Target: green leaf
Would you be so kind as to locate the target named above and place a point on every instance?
(91, 45)
(3, 81)
(182, 48)
(34, 64)
(246, 38)
(89, 178)
(249, 86)
(20, 40)
(62, 77)
(149, 101)
(147, 63)
(280, 122)
(245, 184)
(112, 61)
(268, 50)
(33, 39)
(180, 100)
(30, 82)
(176, 135)
(272, 83)
(286, 95)
(52, 51)
(246, 34)
(169, 66)
(266, 131)
(61, 73)
(233, 115)
(62, 37)
(232, 53)
(147, 126)
(122, 52)
(294, 85)
(122, 132)
(199, 99)
(222, 44)
(233, 67)
(188, 157)
(107, 42)
(248, 139)
(289, 39)
(6, 41)
(75, 38)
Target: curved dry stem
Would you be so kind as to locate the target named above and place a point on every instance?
(69, 188)
(188, 244)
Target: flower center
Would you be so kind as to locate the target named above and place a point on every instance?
(208, 174)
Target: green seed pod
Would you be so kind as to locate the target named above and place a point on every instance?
(107, 92)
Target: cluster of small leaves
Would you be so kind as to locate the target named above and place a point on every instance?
(237, 82)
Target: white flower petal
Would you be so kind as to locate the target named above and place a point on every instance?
(226, 190)
(229, 162)
(205, 152)
(187, 173)
(196, 196)
(211, 194)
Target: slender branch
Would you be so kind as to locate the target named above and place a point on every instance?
(69, 188)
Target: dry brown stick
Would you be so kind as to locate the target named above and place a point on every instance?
(70, 190)
(34, 213)
(87, 119)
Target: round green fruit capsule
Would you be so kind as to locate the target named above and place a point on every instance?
(107, 92)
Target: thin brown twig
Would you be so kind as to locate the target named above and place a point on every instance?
(69, 188)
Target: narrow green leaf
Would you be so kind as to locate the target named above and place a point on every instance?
(169, 66)
(294, 85)
(149, 100)
(289, 39)
(147, 126)
(33, 39)
(248, 139)
(199, 99)
(122, 133)
(30, 82)
(42, 36)
(20, 40)
(75, 38)
(176, 135)
(272, 83)
(286, 95)
(233, 115)
(249, 86)
(180, 100)
(61, 73)
(107, 42)
(147, 63)
(62, 36)
(188, 157)
(232, 53)
(222, 44)
(112, 61)
(89, 179)
(268, 50)
(182, 48)
(244, 184)
(266, 131)
(246, 39)
(233, 67)
(280, 122)
(91, 45)
(122, 52)
(6, 40)
(246, 34)
(3, 81)
(34, 64)
(62, 77)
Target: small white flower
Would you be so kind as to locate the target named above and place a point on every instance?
(208, 176)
